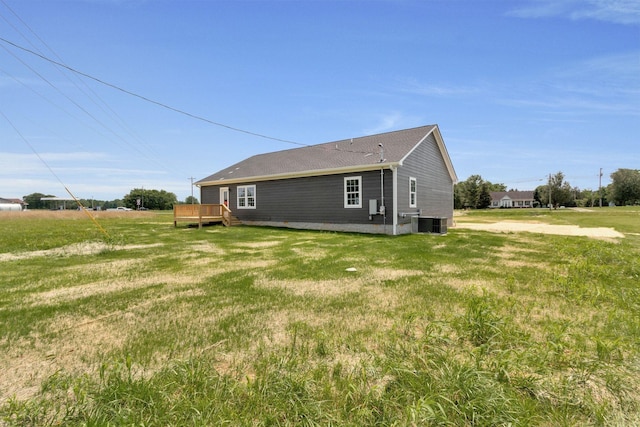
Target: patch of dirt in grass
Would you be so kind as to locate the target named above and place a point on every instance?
(510, 257)
(447, 269)
(142, 246)
(73, 334)
(22, 373)
(84, 248)
(336, 329)
(70, 341)
(337, 286)
(543, 228)
(536, 314)
(258, 245)
(183, 293)
(30, 361)
(200, 267)
(586, 390)
(255, 264)
(56, 296)
(312, 254)
(383, 299)
(275, 328)
(207, 247)
(110, 267)
(393, 274)
(312, 287)
(76, 249)
(465, 285)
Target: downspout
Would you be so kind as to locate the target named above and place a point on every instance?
(383, 209)
(394, 171)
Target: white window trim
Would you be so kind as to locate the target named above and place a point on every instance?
(246, 206)
(349, 178)
(415, 193)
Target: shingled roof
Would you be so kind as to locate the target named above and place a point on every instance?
(348, 155)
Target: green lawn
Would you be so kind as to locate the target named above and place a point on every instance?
(154, 325)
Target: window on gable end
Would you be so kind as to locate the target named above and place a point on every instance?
(413, 190)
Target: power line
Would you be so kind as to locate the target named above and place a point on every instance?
(78, 82)
(325, 146)
(144, 98)
(72, 101)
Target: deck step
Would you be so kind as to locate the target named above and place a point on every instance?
(235, 221)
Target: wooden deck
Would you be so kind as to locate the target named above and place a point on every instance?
(202, 214)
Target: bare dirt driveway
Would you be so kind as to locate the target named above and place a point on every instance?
(540, 227)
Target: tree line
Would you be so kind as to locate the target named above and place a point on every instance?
(136, 199)
(624, 190)
(473, 193)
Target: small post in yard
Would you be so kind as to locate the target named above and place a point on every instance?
(600, 187)
(191, 178)
(549, 189)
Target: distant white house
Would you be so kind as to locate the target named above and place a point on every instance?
(512, 199)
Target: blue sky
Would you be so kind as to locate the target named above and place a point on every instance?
(520, 89)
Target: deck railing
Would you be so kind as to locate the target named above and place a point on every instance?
(201, 214)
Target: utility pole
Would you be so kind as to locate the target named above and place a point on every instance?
(191, 178)
(600, 187)
(549, 189)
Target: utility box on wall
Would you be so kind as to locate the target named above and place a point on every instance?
(373, 207)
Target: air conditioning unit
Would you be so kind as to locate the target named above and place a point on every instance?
(428, 224)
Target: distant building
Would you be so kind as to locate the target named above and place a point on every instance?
(512, 199)
(12, 204)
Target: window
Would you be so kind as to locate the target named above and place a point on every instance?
(413, 202)
(353, 192)
(247, 197)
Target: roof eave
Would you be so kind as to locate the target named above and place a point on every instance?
(303, 174)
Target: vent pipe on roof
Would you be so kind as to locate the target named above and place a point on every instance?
(382, 159)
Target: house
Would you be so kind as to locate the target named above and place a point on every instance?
(512, 199)
(371, 184)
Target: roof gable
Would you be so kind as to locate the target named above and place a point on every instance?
(364, 153)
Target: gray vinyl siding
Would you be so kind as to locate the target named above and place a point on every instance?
(434, 184)
(317, 199)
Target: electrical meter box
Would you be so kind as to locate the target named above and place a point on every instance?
(373, 207)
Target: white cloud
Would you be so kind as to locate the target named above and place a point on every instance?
(22, 163)
(601, 85)
(429, 89)
(388, 122)
(615, 11)
(86, 174)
